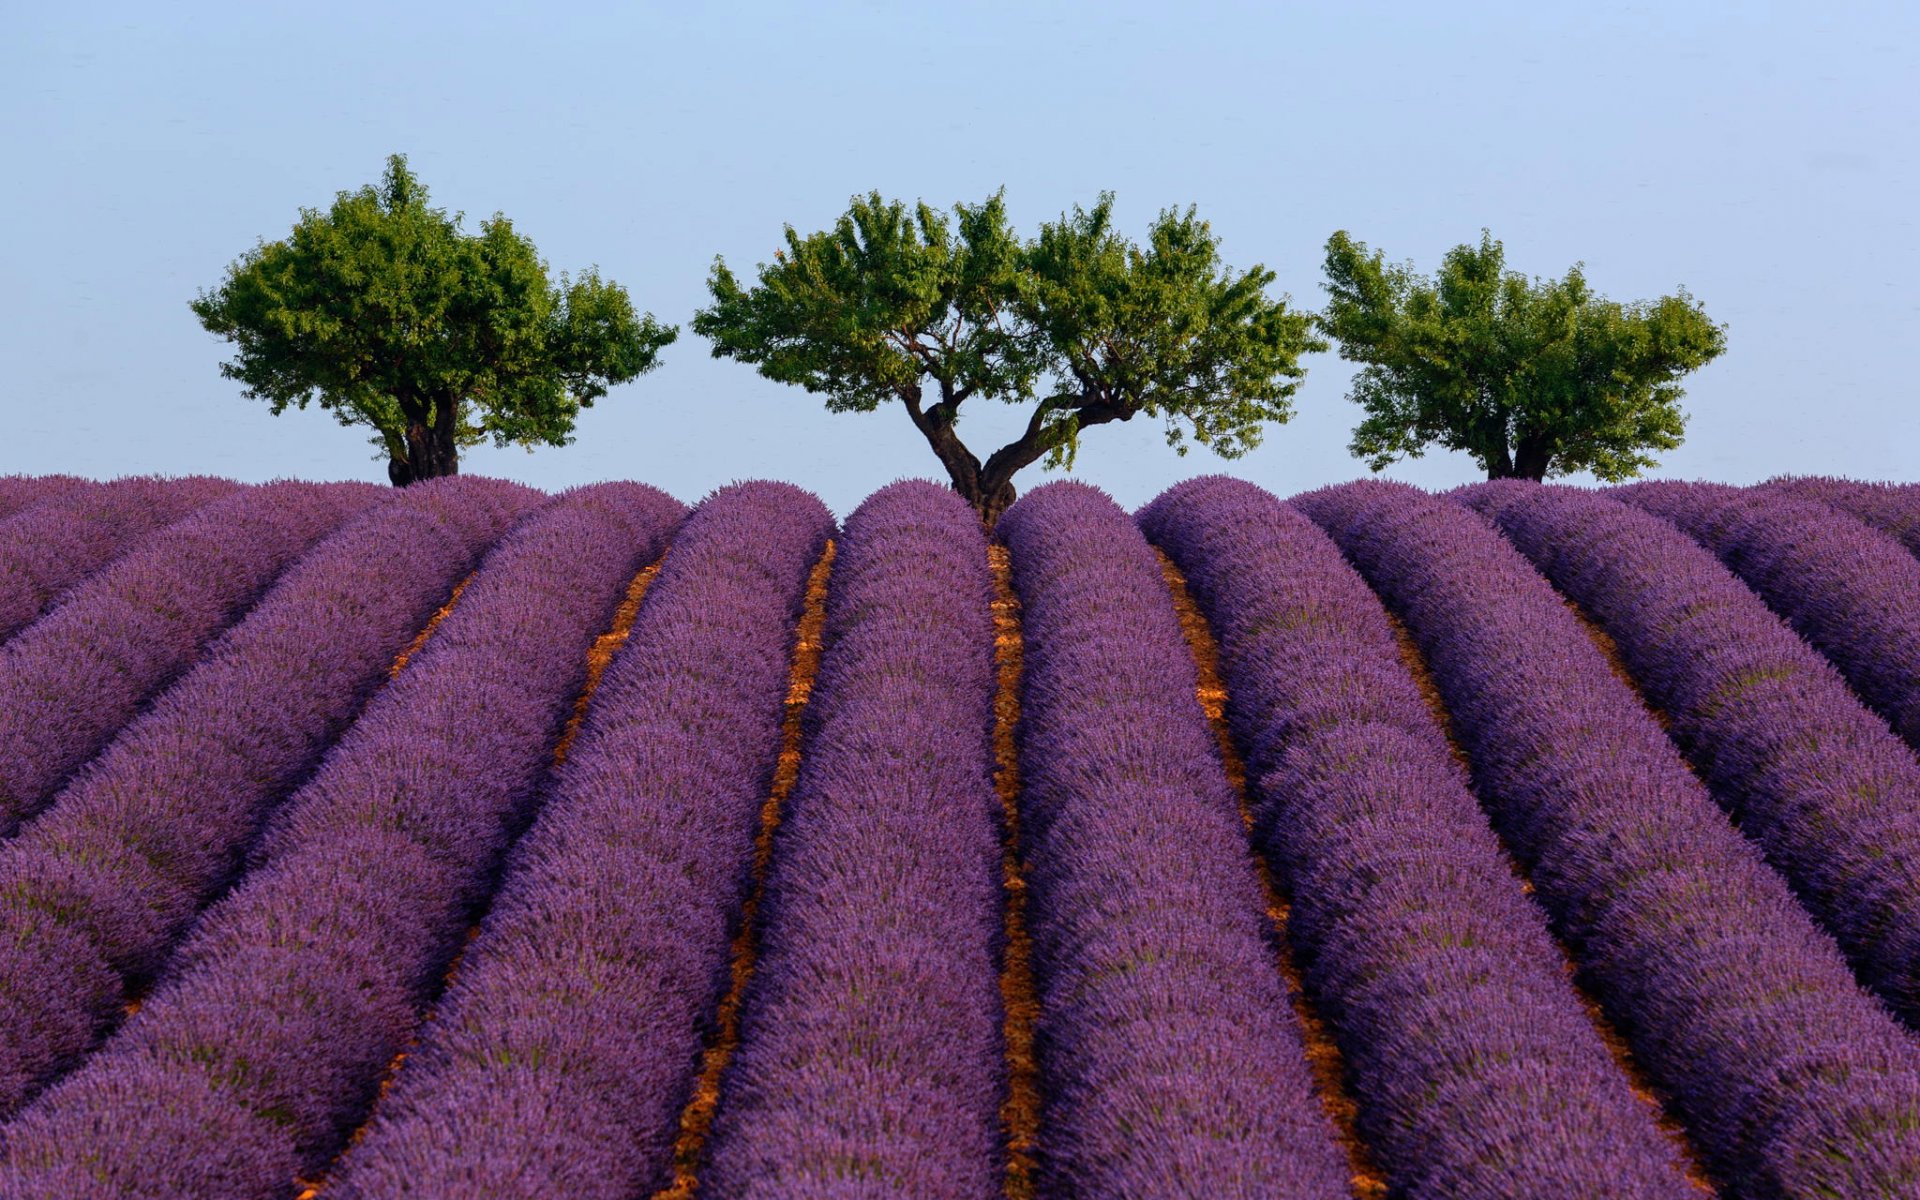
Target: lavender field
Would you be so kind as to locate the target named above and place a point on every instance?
(464, 841)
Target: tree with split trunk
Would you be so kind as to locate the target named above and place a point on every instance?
(388, 315)
(932, 310)
(1531, 377)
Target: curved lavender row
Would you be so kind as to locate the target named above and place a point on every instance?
(561, 1056)
(1792, 1080)
(276, 1019)
(73, 678)
(1850, 590)
(1892, 508)
(1820, 782)
(1477, 1072)
(1170, 1059)
(21, 492)
(95, 891)
(871, 1032)
(52, 546)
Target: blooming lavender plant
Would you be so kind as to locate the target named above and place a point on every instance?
(72, 679)
(54, 545)
(1170, 1059)
(559, 1060)
(1477, 1073)
(21, 492)
(298, 988)
(1847, 588)
(1792, 1080)
(870, 1059)
(1820, 782)
(1892, 508)
(95, 892)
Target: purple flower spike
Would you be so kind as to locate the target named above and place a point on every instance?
(1477, 1073)
(1850, 590)
(71, 680)
(1171, 1063)
(298, 988)
(54, 545)
(559, 1060)
(1792, 1080)
(1823, 785)
(97, 889)
(870, 1061)
(18, 493)
(1892, 508)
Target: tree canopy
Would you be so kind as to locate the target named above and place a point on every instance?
(1532, 378)
(931, 309)
(388, 315)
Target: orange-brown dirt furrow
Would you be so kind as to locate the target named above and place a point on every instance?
(1020, 1110)
(426, 631)
(1367, 1181)
(598, 656)
(1637, 1080)
(696, 1120)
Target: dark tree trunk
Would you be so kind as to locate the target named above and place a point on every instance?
(1532, 458)
(433, 450)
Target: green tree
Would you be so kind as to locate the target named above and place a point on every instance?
(388, 315)
(1532, 378)
(898, 303)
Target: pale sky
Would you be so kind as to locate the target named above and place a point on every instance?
(1765, 156)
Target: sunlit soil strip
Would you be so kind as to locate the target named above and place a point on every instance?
(399, 664)
(426, 631)
(1323, 1055)
(1020, 1111)
(1638, 1083)
(598, 656)
(696, 1120)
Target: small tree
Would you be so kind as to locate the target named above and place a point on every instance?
(1531, 378)
(902, 304)
(390, 316)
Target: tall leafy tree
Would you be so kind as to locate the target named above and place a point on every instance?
(932, 310)
(1531, 377)
(388, 315)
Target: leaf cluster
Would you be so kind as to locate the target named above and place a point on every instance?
(382, 310)
(1485, 360)
(933, 308)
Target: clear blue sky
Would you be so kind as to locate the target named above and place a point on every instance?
(1765, 156)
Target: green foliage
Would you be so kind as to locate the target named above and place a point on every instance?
(911, 304)
(384, 312)
(1532, 378)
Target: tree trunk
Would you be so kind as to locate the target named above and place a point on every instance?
(433, 450)
(1532, 458)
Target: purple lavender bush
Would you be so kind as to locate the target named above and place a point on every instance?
(95, 891)
(1791, 1079)
(54, 545)
(1892, 508)
(1823, 785)
(563, 1051)
(18, 493)
(871, 1032)
(1476, 1070)
(1849, 589)
(71, 680)
(1170, 1059)
(275, 1020)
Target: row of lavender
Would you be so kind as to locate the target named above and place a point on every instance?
(1791, 1080)
(1407, 916)
(96, 890)
(1475, 1068)
(267, 1034)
